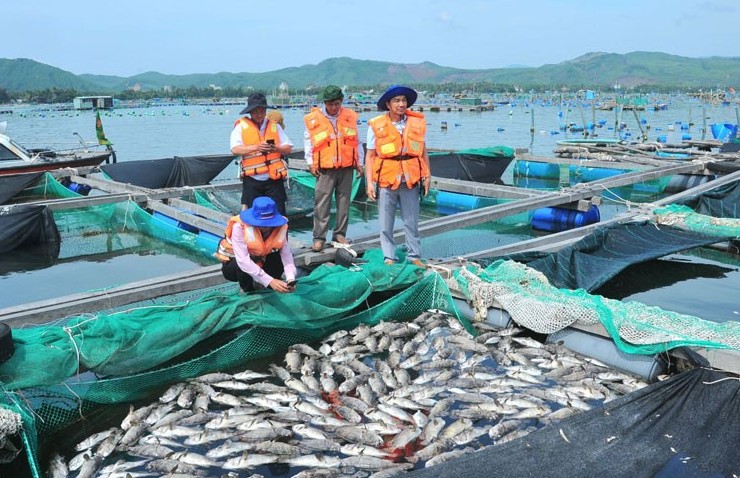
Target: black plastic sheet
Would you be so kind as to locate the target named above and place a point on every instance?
(686, 426)
(168, 172)
(12, 184)
(30, 226)
(591, 262)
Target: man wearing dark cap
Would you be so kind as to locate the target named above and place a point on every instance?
(261, 143)
(397, 169)
(332, 151)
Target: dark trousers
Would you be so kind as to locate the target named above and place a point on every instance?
(273, 266)
(272, 188)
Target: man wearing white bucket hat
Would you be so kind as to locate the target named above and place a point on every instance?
(255, 250)
(397, 164)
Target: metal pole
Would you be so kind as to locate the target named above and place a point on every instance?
(703, 123)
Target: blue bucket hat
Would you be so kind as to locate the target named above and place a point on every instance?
(263, 213)
(396, 90)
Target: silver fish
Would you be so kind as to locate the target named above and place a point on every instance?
(367, 462)
(314, 461)
(249, 375)
(360, 436)
(355, 449)
(406, 436)
(213, 377)
(153, 451)
(193, 459)
(446, 456)
(90, 467)
(172, 392)
(319, 445)
(94, 439)
(230, 448)
(309, 432)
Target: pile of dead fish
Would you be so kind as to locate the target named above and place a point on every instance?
(374, 401)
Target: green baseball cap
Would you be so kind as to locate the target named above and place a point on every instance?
(331, 93)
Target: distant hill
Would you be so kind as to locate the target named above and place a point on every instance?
(590, 70)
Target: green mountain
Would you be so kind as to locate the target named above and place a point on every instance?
(590, 70)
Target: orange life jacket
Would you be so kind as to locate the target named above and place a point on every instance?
(259, 163)
(258, 247)
(399, 157)
(333, 149)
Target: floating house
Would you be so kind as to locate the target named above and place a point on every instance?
(93, 102)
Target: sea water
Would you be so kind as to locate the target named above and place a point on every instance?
(189, 130)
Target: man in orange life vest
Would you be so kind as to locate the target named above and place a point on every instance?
(261, 143)
(397, 164)
(255, 249)
(332, 151)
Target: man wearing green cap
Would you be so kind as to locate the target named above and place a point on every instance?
(332, 151)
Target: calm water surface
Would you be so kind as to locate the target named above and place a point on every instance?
(686, 283)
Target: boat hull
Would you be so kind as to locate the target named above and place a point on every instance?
(55, 163)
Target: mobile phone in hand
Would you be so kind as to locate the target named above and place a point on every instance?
(291, 283)
(271, 141)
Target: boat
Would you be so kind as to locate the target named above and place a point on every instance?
(483, 165)
(15, 159)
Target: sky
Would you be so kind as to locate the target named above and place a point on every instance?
(128, 37)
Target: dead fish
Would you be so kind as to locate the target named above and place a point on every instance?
(360, 436)
(230, 448)
(446, 456)
(248, 375)
(314, 461)
(355, 449)
(309, 432)
(367, 462)
(153, 451)
(249, 460)
(406, 436)
(213, 377)
(192, 458)
(172, 392)
(94, 439)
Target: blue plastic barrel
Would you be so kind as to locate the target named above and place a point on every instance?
(536, 169)
(662, 138)
(452, 203)
(724, 132)
(175, 222)
(556, 219)
(81, 189)
(584, 174)
(685, 137)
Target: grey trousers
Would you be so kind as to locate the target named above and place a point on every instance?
(336, 182)
(409, 200)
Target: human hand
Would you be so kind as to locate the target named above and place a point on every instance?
(314, 170)
(360, 170)
(279, 286)
(426, 182)
(370, 191)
